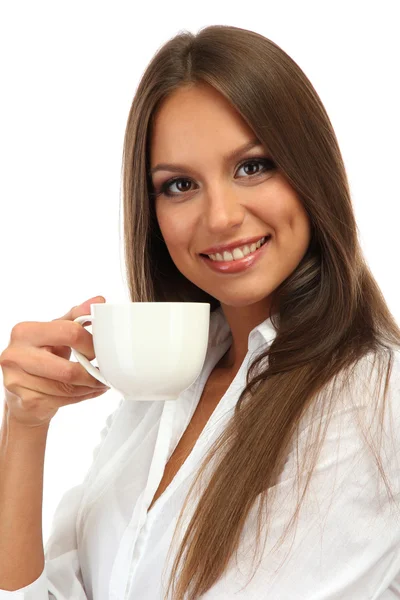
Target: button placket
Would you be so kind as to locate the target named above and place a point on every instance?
(157, 466)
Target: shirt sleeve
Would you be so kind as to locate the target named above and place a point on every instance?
(61, 577)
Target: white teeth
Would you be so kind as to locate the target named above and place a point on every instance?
(237, 253)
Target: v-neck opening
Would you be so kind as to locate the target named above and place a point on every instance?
(200, 386)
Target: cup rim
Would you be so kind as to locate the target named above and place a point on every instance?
(147, 303)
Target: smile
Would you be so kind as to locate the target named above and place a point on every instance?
(236, 265)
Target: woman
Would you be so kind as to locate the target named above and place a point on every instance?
(235, 193)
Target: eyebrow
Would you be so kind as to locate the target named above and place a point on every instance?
(175, 168)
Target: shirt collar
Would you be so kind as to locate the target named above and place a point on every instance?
(220, 331)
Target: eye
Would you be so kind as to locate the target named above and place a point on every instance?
(266, 163)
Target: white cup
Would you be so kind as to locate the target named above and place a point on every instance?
(147, 350)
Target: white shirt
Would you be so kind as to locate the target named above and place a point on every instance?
(104, 546)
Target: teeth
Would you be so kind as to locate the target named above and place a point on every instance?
(237, 253)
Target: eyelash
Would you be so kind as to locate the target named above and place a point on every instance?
(164, 187)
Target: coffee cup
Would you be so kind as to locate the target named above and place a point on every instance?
(147, 350)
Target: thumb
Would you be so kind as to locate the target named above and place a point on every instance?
(87, 303)
(84, 308)
(81, 309)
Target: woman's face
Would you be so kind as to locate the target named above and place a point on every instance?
(217, 201)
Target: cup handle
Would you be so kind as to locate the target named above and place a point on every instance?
(91, 369)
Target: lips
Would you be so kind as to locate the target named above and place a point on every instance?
(239, 265)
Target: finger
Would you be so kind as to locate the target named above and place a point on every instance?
(71, 315)
(36, 361)
(27, 405)
(53, 333)
(61, 351)
(22, 384)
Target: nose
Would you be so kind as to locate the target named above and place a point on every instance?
(222, 209)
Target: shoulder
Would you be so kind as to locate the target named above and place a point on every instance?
(368, 407)
(377, 375)
(358, 395)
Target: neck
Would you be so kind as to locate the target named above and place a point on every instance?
(241, 320)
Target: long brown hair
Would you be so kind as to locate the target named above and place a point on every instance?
(331, 310)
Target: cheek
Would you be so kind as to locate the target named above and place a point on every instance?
(174, 228)
(289, 216)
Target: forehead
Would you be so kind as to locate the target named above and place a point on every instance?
(196, 118)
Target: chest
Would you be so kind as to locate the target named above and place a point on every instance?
(213, 391)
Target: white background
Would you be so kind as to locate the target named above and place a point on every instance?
(69, 71)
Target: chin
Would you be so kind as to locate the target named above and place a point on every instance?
(241, 301)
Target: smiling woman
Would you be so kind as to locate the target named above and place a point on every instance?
(303, 351)
(253, 154)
